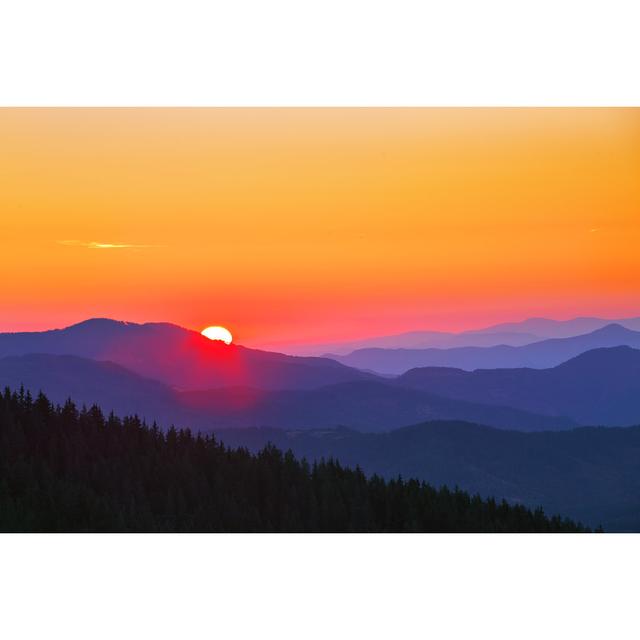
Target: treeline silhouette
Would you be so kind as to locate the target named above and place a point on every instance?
(68, 470)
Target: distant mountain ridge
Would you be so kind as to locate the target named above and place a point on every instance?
(548, 328)
(508, 333)
(537, 355)
(179, 357)
(364, 405)
(601, 386)
(417, 340)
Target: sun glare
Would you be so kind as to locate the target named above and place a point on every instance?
(218, 333)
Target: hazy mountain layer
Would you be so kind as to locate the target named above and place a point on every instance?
(509, 333)
(547, 328)
(416, 340)
(538, 355)
(601, 386)
(364, 405)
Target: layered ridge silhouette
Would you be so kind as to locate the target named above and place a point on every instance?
(172, 375)
(179, 357)
(601, 386)
(507, 333)
(537, 355)
(364, 405)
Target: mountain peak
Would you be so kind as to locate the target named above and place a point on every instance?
(614, 357)
(98, 322)
(613, 329)
(108, 324)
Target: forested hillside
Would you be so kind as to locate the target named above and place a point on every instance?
(589, 474)
(64, 470)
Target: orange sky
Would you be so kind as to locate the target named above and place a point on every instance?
(319, 224)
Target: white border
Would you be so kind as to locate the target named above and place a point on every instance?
(325, 53)
(324, 587)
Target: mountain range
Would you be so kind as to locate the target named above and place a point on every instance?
(179, 357)
(171, 375)
(537, 355)
(601, 386)
(365, 405)
(508, 333)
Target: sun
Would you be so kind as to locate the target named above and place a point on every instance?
(218, 333)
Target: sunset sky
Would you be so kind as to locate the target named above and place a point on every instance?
(287, 225)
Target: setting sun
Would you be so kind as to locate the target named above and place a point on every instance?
(218, 333)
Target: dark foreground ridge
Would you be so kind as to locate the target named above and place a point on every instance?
(64, 470)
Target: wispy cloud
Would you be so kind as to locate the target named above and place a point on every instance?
(104, 245)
